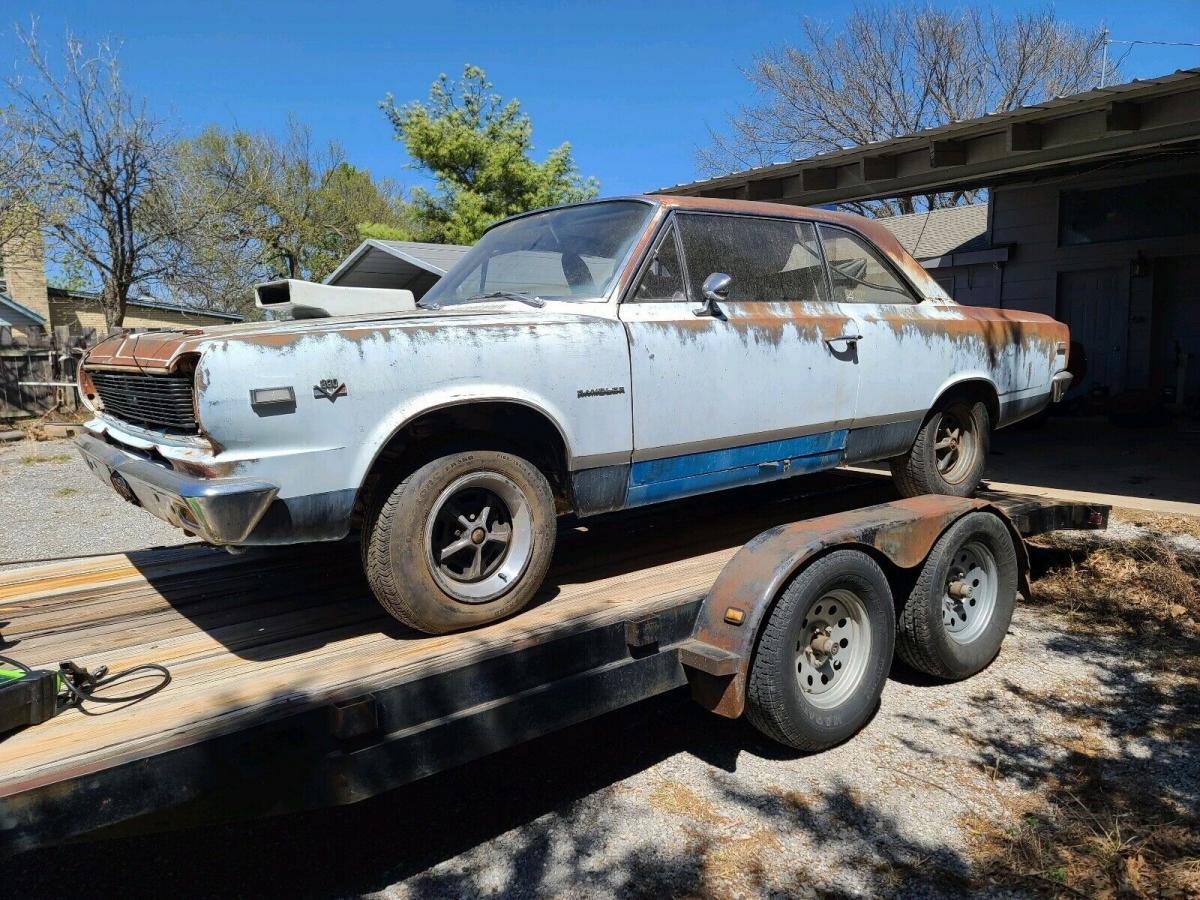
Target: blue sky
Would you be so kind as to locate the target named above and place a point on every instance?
(633, 86)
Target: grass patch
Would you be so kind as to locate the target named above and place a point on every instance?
(1092, 838)
(1110, 818)
(66, 492)
(1131, 586)
(33, 459)
(1162, 523)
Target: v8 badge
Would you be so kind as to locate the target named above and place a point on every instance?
(329, 389)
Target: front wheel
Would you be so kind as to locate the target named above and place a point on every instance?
(949, 452)
(824, 653)
(464, 540)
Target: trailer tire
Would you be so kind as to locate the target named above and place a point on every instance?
(957, 471)
(944, 632)
(787, 696)
(496, 508)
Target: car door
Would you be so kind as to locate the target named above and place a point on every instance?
(902, 362)
(755, 388)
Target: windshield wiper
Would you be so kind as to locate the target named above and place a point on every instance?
(520, 296)
(423, 305)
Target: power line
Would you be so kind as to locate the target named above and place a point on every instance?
(1131, 44)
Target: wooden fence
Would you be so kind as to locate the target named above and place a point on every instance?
(38, 357)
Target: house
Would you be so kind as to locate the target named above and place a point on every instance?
(1091, 217)
(407, 265)
(27, 303)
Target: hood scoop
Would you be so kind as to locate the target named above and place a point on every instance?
(309, 300)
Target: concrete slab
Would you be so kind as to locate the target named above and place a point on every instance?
(1088, 459)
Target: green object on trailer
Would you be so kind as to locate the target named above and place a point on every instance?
(27, 696)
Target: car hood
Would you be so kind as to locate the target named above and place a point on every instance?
(158, 352)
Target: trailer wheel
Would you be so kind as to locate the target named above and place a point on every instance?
(949, 452)
(956, 617)
(464, 540)
(824, 653)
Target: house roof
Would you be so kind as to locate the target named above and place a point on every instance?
(9, 303)
(940, 232)
(151, 303)
(396, 264)
(1138, 117)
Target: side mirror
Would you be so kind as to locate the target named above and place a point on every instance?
(716, 290)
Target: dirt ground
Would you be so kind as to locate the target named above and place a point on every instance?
(1070, 767)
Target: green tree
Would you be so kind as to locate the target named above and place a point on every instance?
(477, 148)
(286, 208)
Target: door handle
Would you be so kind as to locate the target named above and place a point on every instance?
(844, 338)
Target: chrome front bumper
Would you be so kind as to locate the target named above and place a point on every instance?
(219, 510)
(1059, 385)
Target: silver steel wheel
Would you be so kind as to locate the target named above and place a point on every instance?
(479, 537)
(969, 594)
(955, 443)
(833, 649)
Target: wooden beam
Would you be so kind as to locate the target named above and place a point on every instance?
(766, 189)
(1023, 136)
(877, 168)
(818, 179)
(1120, 116)
(946, 153)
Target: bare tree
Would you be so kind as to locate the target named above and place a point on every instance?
(893, 70)
(102, 173)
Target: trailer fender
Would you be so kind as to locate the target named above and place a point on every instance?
(717, 657)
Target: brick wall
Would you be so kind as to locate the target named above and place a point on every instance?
(25, 272)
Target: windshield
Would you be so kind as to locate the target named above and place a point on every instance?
(571, 253)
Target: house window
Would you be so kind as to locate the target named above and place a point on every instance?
(1159, 207)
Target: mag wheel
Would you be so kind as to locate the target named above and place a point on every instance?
(464, 540)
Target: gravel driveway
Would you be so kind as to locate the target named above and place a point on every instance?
(665, 800)
(44, 490)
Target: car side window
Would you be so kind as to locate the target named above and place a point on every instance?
(662, 279)
(858, 272)
(769, 260)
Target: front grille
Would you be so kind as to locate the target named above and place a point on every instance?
(162, 401)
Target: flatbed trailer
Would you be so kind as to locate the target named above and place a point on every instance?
(292, 690)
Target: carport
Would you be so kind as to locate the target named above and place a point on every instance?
(1091, 217)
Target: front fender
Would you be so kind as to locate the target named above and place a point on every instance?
(717, 658)
(446, 396)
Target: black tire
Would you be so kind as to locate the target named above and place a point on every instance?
(925, 640)
(776, 702)
(398, 537)
(917, 472)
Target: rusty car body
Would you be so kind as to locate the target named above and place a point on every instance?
(627, 385)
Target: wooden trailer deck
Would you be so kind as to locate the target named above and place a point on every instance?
(261, 636)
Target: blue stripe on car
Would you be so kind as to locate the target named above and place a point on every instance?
(656, 480)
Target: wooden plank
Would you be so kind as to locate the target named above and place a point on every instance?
(253, 637)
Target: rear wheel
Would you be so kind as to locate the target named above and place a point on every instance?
(464, 540)
(949, 452)
(824, 653)
(956, 617)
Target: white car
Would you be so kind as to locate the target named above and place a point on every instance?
(580, 359)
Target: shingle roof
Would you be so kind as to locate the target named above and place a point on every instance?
(396, 264)
(438, 256)
(941, 231)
